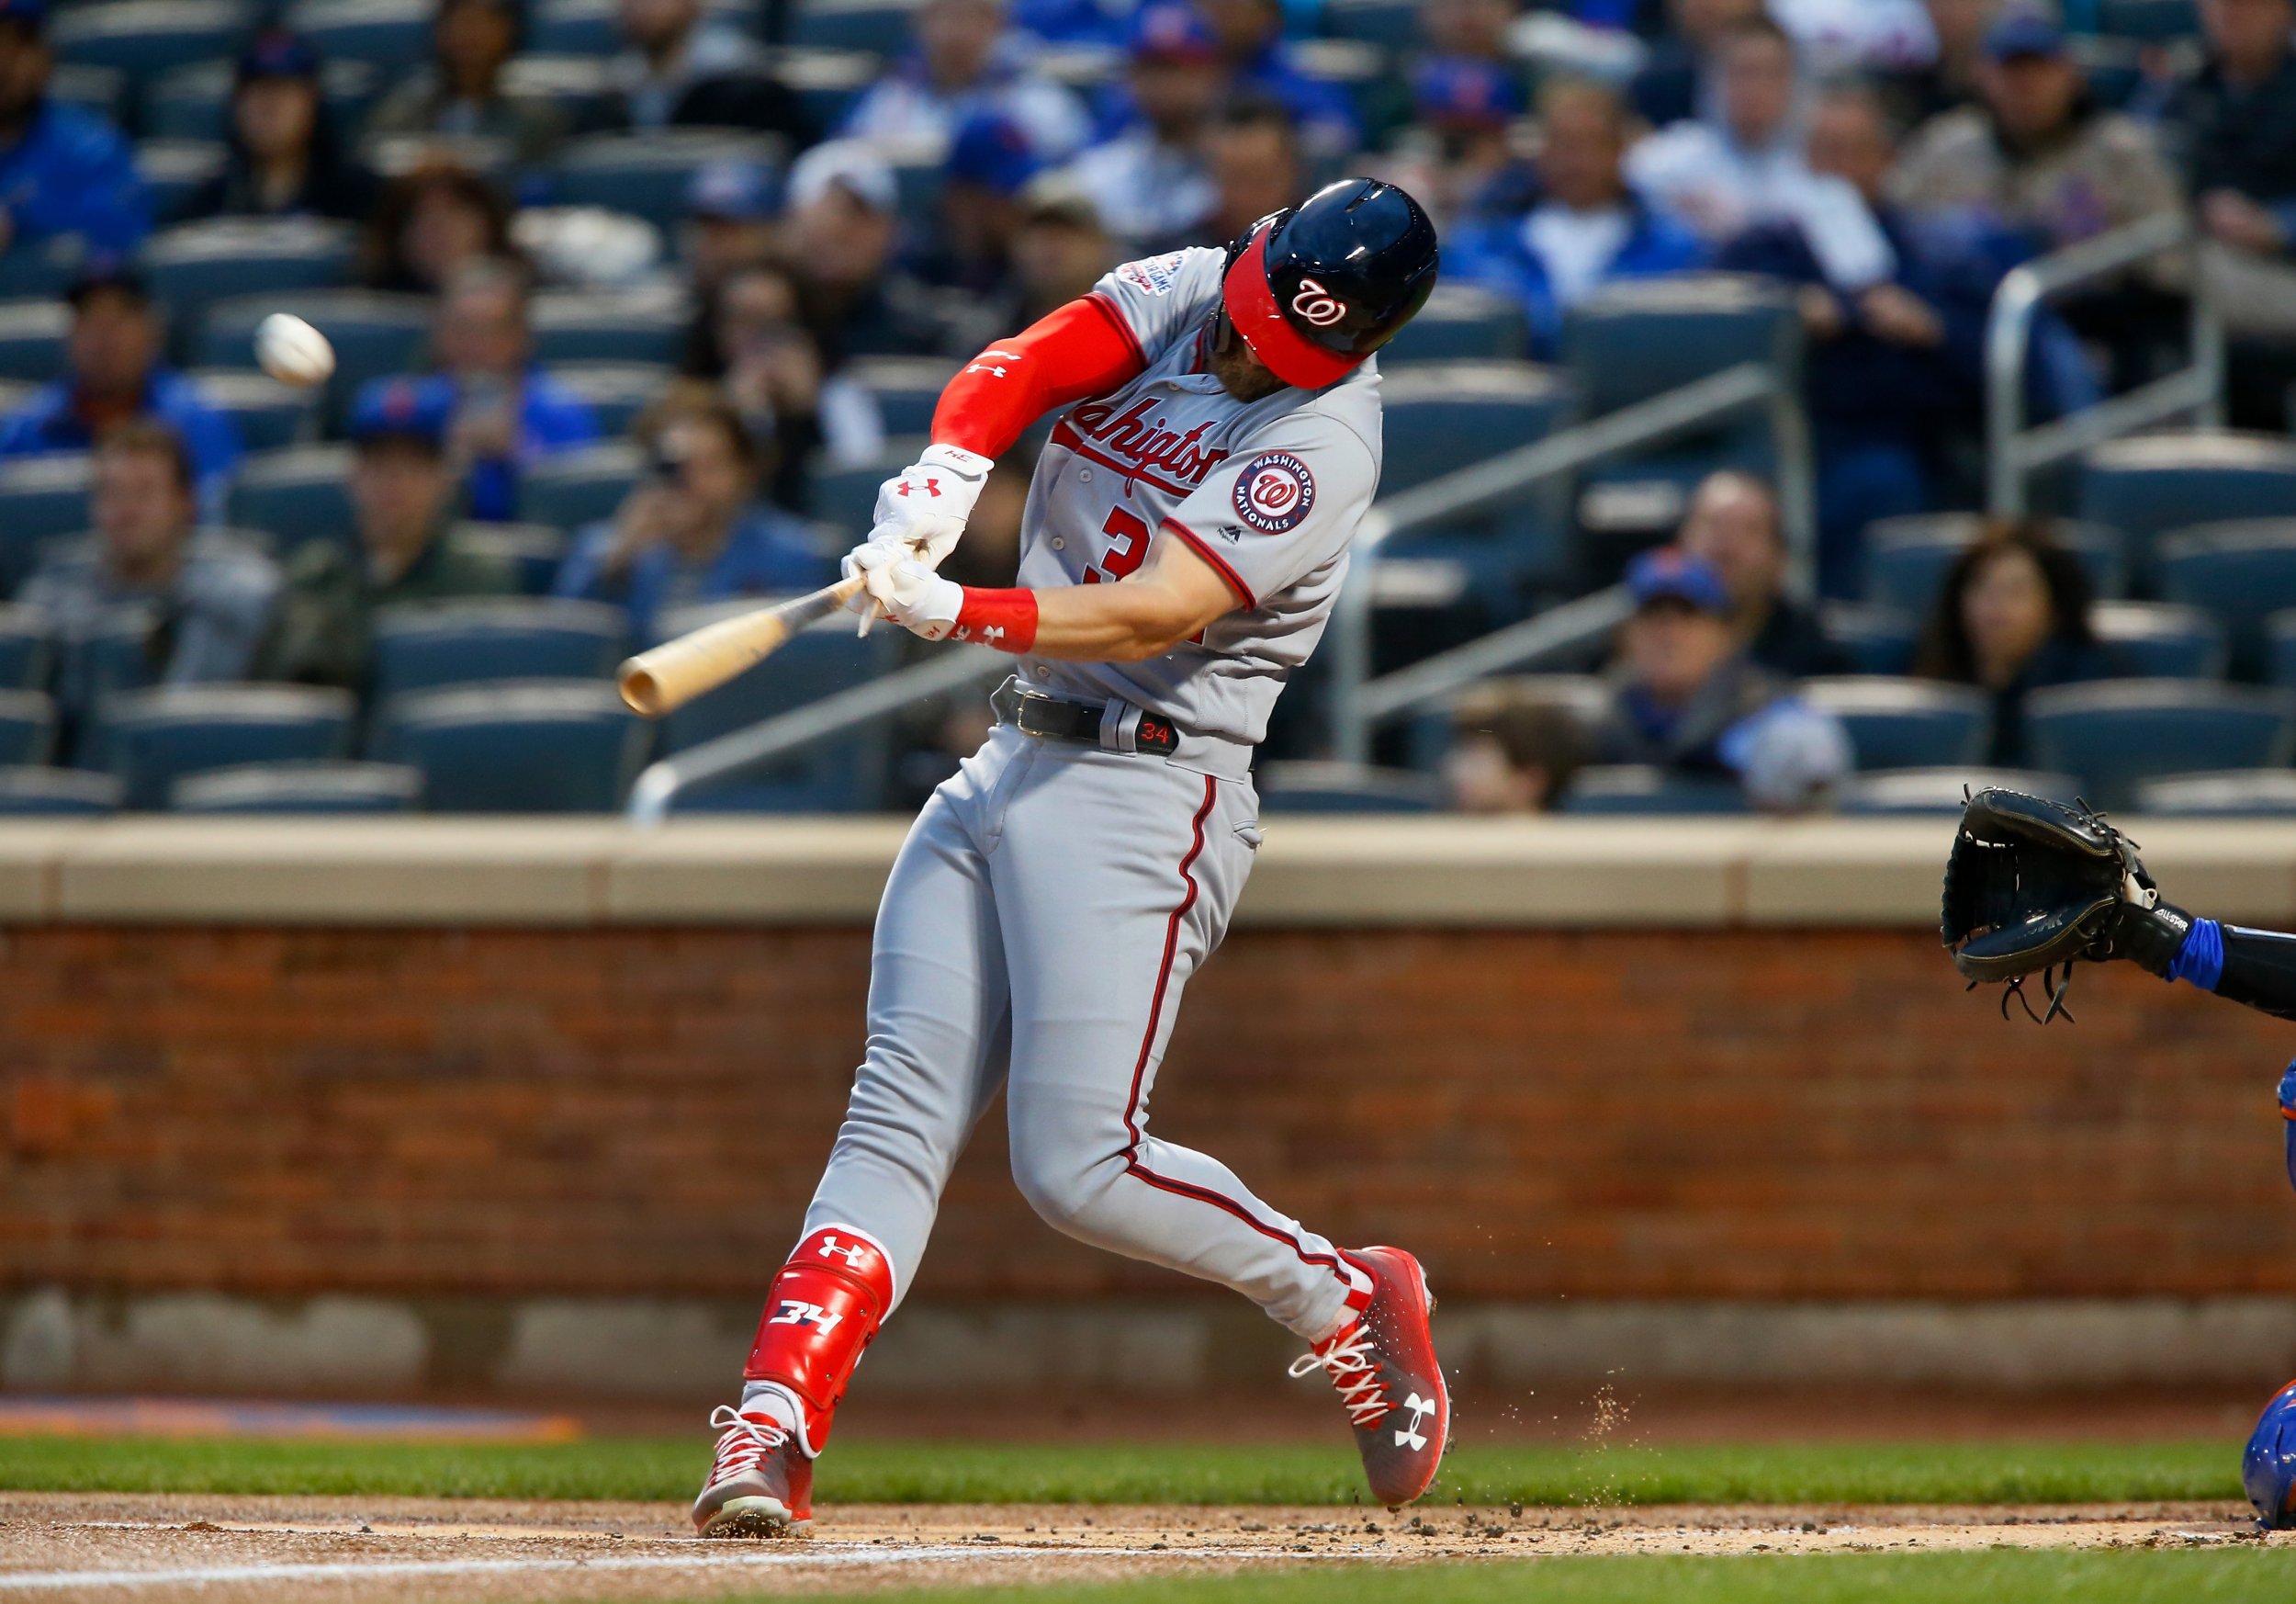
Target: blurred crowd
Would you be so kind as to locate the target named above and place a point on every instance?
(1889, 160)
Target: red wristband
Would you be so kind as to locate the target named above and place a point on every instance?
(1004, 619)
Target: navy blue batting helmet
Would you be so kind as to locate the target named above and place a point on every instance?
(1316, 289)
(2268, 1469)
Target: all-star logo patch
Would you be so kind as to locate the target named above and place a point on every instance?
(1274, 493)
(1155, 274)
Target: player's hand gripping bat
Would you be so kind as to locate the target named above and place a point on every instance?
(674, 674)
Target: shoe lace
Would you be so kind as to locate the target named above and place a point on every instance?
(1354, 1373)
(746, 1440)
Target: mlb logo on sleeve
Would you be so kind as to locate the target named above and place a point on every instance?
(1274, 493)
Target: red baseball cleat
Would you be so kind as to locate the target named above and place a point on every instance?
(759, 1484)
(1383, 1363)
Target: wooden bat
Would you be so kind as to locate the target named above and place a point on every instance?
(674, 674)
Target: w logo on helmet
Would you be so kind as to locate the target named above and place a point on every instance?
(1318, 305)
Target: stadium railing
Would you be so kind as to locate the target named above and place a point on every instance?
(2014, 453)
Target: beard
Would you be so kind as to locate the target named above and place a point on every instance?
(1240, 373)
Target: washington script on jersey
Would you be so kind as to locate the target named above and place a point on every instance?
(1142, 441)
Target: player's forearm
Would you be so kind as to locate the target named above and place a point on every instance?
(1078, 350)
(2253, 966)
(1120, 623)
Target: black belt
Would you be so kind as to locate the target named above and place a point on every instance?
(1053, 718)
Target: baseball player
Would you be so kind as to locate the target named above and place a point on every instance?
(2033, 885)
(1217, 441)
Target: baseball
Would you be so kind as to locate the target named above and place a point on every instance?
(292, 351)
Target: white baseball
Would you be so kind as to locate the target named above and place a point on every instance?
(292, 351)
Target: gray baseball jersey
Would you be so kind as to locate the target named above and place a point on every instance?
(1269, 492)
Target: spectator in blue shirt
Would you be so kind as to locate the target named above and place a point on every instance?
(113, 373)
(961, 65)
(64, 173)
(693, 530)
(1588, 228)
(509, 414)
(1251, 35)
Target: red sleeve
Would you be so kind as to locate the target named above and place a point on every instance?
(1084, 348)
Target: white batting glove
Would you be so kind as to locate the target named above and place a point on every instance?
(921, 512)
(912, 594)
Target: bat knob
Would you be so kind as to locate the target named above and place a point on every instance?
(641, 690)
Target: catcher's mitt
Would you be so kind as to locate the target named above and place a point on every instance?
(2034, 885)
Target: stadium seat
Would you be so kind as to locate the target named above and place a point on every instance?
(2114, 733)
(1907, 559)
(100, 90)
(1636, 339)
(846, 498)
(141, 39)
(294, 495)
(617, 391)
(837, 776)
(1460, 322)
(539, 746)
(1907, 724)
(313, 787)
(422, 646)
(115, 658)
(579, 86)
(2162, 639)
(1442, 416)
(1880, 640)
(271, 416)
(1327, 788)
(153, 737)
(534, 550)
(375, 334)
(1632, 340)
(2154, 22)
(32, 339)
(2242, 572)
(193, 265)
(826, 82)
(1634, 788)
(40, 498)
(390, 35)
(2252, 792)
(1940, 790)
(27, 727)
(572, 327)
(33, 791)
(1392, 25)
(174, 171)
(907, 388)
(26, 652)
(578, 488)
(882, 26)
(2147, 485)
(645, 174)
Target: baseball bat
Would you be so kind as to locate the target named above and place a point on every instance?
(674, 674)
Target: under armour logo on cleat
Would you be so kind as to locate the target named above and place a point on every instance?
(794, 1312)
(1420, 1409)
(854, 1253)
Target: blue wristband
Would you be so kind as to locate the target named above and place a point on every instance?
(2201, 958)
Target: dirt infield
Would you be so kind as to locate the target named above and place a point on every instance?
(120, 1547)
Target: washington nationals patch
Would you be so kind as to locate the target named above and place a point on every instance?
(1274, 493)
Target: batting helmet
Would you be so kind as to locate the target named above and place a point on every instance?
(1316, 289)
(2268, 1469)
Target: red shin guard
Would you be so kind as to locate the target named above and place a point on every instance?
(822, 1310)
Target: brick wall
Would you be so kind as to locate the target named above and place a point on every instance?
(1744, 1114)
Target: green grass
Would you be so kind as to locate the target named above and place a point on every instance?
(1998, 1577)
(880, 1471)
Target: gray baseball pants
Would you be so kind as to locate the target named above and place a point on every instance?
(1038, 928)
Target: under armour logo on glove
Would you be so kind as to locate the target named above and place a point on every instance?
(855, 1254)
(795, 1312)
(1420, 1409)
(932, 487)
